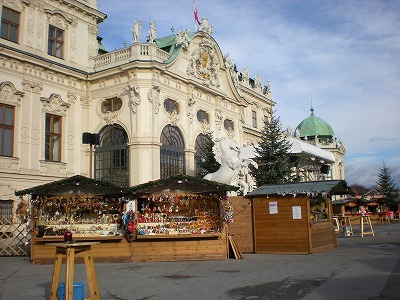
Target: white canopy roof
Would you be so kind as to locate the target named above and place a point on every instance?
(298, 147)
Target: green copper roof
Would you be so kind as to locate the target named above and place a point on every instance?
(168, 44)
(314, 126)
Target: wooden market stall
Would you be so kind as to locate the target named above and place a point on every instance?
(293, 218)
(90, 209)
(178, 218)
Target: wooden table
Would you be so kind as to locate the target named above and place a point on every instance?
(69, 251)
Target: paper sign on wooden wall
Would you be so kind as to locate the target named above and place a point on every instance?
(273, 208)
(296, 211)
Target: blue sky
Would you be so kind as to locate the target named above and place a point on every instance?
(342, 56)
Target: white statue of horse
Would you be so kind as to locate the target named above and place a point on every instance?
(226, 153)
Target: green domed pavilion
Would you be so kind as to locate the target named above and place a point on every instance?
(313, 128)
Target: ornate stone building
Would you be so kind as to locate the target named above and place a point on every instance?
(144, 108)
(129, 116)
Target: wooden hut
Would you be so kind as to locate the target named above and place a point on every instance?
(180, 218)
(177, 218)
(293, 218)
(89, 208)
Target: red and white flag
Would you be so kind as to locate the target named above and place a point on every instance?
(196, 14)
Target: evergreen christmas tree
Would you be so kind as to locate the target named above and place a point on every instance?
(387, 188)
(207, 163)
(273, 156)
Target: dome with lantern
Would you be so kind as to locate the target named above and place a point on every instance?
(313, 129)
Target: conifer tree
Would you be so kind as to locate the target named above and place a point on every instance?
(273, 156)
(207, 163)
(387, 188)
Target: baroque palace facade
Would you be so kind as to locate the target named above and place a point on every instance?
(146, 107)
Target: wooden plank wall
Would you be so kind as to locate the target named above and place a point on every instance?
(323, 236)
(106, 251)
(213, 248)
(242, 226)
(280, 233)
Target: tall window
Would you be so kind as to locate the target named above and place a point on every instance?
(111, 161)
(6, 130)
(254, 118)
(55, 42)
(200, 146)
(53, 138)
(9, 24)
(172, 152)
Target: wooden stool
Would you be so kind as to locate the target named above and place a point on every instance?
(366, 220)
(69, 250)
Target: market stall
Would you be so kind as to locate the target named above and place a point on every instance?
(89, 209)
(178, 218)
(293, 218)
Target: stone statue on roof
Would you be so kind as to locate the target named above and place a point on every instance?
(182, 39)
(267, 88)
(205, 26)
(245, 75)
(136, 29)
(152, 32)
(257, 82)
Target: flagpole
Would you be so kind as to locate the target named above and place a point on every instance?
(194, 9)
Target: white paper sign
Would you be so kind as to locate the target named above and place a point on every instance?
(273, 208)
(296, 211)
(131, 205)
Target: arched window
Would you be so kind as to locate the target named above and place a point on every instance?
(200, 146)
(111, 161)
(172, 152)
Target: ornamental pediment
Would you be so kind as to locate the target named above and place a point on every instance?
(204, 63)
(55, 104)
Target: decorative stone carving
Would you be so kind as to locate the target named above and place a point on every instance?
(218, 116)
(53, 167)
(58, 18)
(153, 95)
(110, 117)
(173, 117)
(267, 89)
(229, 63)
(203, 64)
(205, 127)
(205, 26)
(257, 82)
(133, 96)
(182, 39)
(54, 104)
(71, 97)
(9, 94)
(189, 107)
(9, 163)
(245, 75)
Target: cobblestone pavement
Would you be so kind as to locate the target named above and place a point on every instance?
(360, 268)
